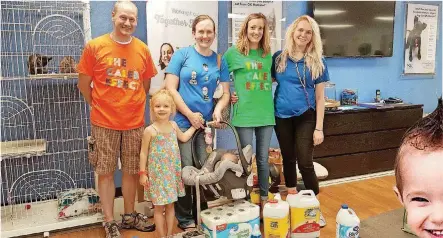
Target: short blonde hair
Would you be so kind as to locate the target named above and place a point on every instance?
(120, 3)
(162, 94)
(314, 50)
(242, 43)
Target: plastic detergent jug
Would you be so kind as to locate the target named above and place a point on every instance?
(255, 196)
(276, 218)
(348, 224)
(305, 214)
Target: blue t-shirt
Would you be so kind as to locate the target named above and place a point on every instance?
(198, 79)
(290, 97)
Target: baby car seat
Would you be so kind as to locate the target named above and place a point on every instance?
(231, 180)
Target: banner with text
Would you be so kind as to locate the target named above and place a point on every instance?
(271, 9)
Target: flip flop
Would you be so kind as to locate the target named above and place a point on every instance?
(187, 228)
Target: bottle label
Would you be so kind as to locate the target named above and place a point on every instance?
(347, 231)
(276, 228)
(305, 220)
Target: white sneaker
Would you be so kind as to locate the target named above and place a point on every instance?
(322, 220)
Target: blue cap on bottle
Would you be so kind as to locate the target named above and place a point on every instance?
(344, 206)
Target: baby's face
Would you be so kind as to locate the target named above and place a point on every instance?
(422, 175)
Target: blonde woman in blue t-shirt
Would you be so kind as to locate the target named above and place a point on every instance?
(299, 101)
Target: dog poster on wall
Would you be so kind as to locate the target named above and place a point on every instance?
(420, 39)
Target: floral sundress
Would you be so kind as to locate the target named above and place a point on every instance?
(164, 169)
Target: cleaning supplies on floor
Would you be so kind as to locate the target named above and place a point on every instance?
(305, 214)
(276, 218)
(256, 232)
(255, 196)
(347, 223)
(237, 219)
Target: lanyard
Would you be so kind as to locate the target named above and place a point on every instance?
(302, 79)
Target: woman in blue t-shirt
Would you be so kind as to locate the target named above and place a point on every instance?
(192, 77)
(299, 101)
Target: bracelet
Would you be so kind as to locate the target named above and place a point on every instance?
(142, 172)
(318, 129)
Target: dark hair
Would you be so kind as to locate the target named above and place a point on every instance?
(425, 135)
(162, 65)
(201, 18)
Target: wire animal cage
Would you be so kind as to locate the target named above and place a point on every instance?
(44, 119)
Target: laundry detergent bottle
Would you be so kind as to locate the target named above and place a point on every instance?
(276, 218)
(305, 214)
(347, 223)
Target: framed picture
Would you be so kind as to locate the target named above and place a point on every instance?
(420, 38)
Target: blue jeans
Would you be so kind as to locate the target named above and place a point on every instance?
(263, 136)
(184, 205)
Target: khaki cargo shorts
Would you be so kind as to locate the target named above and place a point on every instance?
(105, 146)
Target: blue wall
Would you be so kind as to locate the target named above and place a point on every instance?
(364, 74)
(369, 74)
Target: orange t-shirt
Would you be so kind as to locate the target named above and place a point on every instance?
(118, 72)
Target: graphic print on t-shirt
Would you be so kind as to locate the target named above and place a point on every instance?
(205, 93)
(205, 67)
(119, 76)
(256, 80)
(193, 80)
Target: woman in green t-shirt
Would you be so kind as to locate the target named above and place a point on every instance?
(250, 61)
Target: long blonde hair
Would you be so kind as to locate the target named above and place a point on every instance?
(162, 94)
(243, 41)
(314, 50)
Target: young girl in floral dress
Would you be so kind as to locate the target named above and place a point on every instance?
(160, 164)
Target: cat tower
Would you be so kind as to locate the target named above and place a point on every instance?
(44, 119)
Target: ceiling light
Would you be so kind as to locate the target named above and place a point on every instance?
(320, 12)
(335, 26)
(390, 18)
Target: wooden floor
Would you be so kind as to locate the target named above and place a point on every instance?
(368, 198)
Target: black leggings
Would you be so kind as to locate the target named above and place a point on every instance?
(295, 136)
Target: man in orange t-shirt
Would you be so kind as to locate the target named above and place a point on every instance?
(120, 68)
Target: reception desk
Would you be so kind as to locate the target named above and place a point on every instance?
(363, 141)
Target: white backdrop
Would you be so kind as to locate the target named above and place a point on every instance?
(170, 22)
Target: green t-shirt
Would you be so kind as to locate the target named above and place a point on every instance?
(253, 85)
